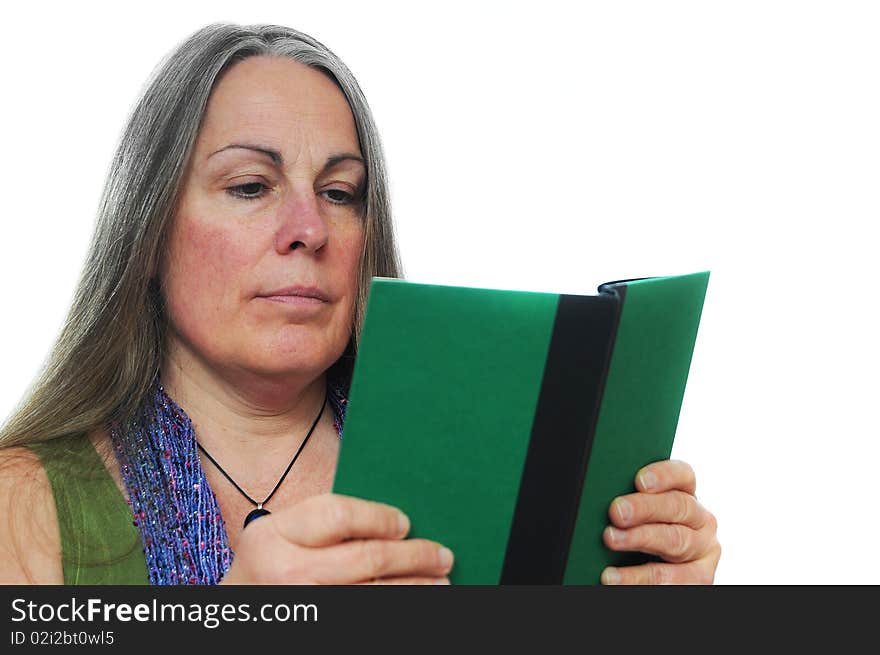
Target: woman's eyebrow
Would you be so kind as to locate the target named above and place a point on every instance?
(278, 159)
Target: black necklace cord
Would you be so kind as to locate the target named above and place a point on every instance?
(284, 475)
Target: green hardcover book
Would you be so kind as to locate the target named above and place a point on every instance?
(505, 422)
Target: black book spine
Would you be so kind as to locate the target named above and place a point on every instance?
(562, 435)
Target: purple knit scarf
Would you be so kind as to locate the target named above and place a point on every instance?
(182, 531)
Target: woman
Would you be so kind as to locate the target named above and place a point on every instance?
(202, 372)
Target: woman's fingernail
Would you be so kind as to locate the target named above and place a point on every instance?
(441, 581)
(446, 558)
(403, 522)
(616, 536)
(624, 509)
(610, 576)
(648, 480)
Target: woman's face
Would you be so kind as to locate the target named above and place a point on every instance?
(262, 265)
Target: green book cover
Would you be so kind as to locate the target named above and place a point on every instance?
(504, 422)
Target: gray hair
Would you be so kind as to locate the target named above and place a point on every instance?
(108, 353)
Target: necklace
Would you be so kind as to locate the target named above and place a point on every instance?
(173, 506)
(260, 510)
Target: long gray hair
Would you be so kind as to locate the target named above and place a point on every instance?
(108, 353)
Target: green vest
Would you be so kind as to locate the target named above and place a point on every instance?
(99, 542)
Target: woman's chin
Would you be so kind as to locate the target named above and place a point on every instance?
(295, 360)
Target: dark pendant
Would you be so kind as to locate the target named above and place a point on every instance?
(255, 514)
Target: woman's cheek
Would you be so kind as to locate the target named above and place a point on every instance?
(206, 266)
(353, 245)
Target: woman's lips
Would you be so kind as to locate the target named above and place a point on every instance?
(298, 301)
(299, 296)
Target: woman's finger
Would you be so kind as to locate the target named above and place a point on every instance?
(407, 581)
(369, 559)
(666, 475)
(328, 519)
(672, 542)
(700, 572)
(667, 507)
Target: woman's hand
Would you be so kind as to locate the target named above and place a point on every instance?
(334, 539)
(664, 519)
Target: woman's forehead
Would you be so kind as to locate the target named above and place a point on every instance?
(277, 100)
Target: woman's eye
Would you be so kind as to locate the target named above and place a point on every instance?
(338, 196)
(248, 191)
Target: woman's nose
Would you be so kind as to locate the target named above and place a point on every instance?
(302, 225)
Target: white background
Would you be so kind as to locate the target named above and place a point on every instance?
(553, 146)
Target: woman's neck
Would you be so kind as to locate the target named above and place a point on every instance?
(244, 417)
